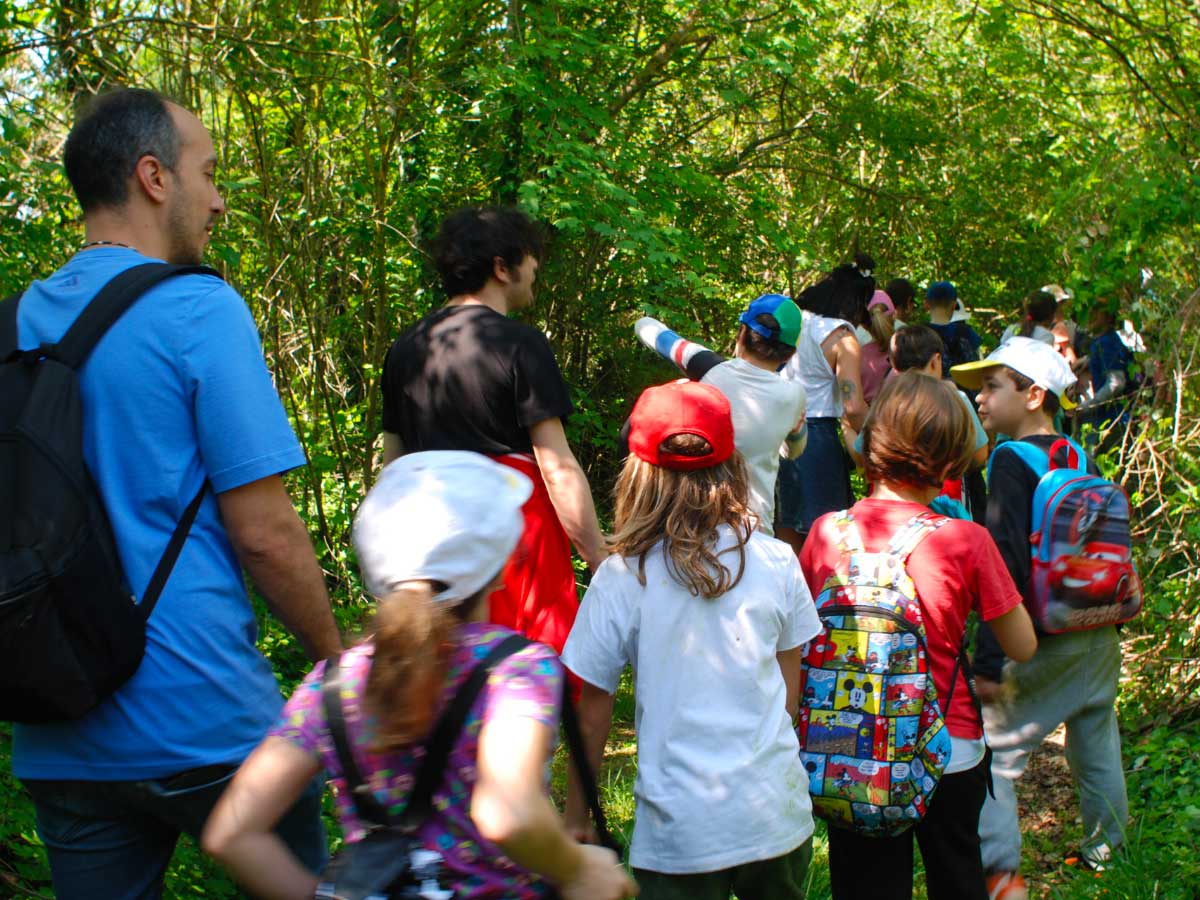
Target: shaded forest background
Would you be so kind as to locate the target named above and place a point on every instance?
(684, 157)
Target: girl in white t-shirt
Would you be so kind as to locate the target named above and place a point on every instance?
(712, 615)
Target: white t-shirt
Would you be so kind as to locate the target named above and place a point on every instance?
(766, 409)
(719, 779)
(1045, 335)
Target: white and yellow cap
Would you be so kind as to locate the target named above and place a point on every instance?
(441, 515)
(1034, 359)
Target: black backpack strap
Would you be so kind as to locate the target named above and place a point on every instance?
(583, 770)
(8, 326)
(166, 562)
(963, 664)
(445, 733)
(110, 304)
(368, 808)
(437, 752)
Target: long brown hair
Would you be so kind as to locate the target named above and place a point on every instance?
(682, 511)
(414, 640)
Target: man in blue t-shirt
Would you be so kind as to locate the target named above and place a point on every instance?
(175, 393)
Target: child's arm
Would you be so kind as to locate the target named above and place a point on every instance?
(1015, 634)
(595, 722)
(240, 831)
(789, 666)
(796, 440)
(693, 359)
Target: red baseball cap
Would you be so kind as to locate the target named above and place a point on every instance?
(681, 407)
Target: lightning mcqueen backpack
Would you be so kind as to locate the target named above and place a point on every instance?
(873, 736)
(1083, 574)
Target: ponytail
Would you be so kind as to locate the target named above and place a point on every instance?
(413, 643)
(1040, 307)
(881, 325)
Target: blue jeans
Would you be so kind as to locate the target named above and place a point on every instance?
(114, 839)
(816, 482)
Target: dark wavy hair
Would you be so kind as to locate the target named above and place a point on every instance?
(842, 294)
(469, 241)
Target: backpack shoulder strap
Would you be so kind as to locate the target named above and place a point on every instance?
(1076, 458)
(1030, 455)
(447, 730)
(8, 325)
(587, 778)
(919, 527)
(120, 293)
(368, 808)
(849, 540)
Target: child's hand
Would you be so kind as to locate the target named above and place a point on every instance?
(599, 877)
(989, 691)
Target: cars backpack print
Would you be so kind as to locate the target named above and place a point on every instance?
(872, 735)
(1083, 574)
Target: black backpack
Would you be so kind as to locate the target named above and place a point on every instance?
(956, 338)
(389, 863)
(71, 632)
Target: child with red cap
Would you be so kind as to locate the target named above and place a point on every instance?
(712, 614)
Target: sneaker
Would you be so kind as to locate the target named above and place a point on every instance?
(1093, 859)
(1006, 886)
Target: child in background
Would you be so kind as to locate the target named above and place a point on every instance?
(1109, 363)
(960, 341)
(768, 411)
(918, 435)
(876, 363)
(432, 538)
(1038, 323)
(712, 615)
(903, 294)
(1073, 677)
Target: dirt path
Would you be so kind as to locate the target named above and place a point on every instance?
(1049, 813)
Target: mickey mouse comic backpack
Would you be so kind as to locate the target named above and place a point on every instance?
(1083, 575)
(873, 737)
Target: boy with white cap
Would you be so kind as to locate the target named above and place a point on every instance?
(1072, 678)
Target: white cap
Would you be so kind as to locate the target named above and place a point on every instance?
(442, 515)
(1034, 359)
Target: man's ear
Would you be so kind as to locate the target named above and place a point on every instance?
(500, 270)
(150, 177)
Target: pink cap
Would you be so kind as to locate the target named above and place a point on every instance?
(879, 298)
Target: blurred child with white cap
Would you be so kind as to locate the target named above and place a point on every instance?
(432, 538)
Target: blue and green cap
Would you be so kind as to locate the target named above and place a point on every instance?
(786, 313)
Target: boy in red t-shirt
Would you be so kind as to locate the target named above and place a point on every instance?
(917, 434)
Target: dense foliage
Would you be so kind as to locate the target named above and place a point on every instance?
(684, 157)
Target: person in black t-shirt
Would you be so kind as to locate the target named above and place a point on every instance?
(466, 377)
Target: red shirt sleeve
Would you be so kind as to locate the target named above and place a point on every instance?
(994, 589)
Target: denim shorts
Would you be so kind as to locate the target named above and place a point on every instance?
(818, 481)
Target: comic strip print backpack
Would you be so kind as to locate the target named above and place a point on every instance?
(1083, 574)
(873, 738)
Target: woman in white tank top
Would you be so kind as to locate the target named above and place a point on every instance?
(827, 365)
